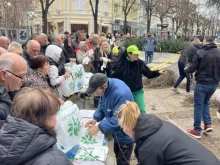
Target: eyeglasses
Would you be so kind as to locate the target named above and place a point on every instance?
(21, 77)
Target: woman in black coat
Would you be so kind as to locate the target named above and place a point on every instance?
(159, 142)
(68, 52)
(28, 136)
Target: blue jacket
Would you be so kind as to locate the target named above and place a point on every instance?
(117, 94)
(150, 44)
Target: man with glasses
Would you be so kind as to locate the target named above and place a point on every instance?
(13, 71)
(113, 93)
(32, 50)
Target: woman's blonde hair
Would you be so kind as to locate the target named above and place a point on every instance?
(109, 49)
(128, 115)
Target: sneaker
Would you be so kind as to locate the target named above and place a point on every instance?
(207, 128)
(187, 93)
(193, 133)
(174, 90)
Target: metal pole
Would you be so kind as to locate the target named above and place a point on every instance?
(173, 28)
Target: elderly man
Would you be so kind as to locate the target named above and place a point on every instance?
(32, 50)
(43, 40)
(113, 93)
(13, 70)
(4, 42)
(80, 36)
(56, 40)
(16, 48)
(2, 50)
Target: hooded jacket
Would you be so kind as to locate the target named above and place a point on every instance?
(22, 142)
(117, 94)
(131, 72)
(206, 63)
(189, 52)
(159, 142)
(5, 104)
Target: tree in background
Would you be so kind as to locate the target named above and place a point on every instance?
(45, 5)
(126, 8)
(149, 6)
(95, 14)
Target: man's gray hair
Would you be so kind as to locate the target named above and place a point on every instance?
(209, 39)
(54, 36)
(14, 44)
(6, 64)
(95, 36)
(79, 32)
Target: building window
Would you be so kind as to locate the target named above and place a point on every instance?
(106, 6)
(79, 5)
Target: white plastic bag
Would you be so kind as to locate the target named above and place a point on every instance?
(68, 129)
(87, 77)
(75, 82)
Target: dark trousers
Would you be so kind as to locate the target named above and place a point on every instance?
(182, 75)
(123, 153)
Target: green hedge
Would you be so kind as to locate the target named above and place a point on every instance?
(138, 42)
(169, 46)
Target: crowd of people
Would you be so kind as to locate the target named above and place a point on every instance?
(28, 115)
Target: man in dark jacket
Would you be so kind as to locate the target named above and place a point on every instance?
(43, 40)
(13, 70)
(206, 63)
(160, 142)
(113, 93)
(185, 58)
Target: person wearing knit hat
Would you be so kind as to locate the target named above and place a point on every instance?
(115, 58)
(130, 70)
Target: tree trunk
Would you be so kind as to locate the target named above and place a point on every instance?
(96, 24)
(125, 24)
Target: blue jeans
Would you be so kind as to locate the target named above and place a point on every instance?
(202, 95)
(182, 75)
(148, 55)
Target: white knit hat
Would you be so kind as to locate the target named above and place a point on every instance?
(53, 52)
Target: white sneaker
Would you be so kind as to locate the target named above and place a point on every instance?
(187, 93)
(174, 90)
(218, 114)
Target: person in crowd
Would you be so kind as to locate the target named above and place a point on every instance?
(32, 50)
(2, 51)
(112, 39)
(95, 43)
(40, 69)
(102, 61)
(115, 58)
(34, 36)
(206, 64)
(15, 47)
(185, 58)
(29, 132)
(110, 88)
(13, 70)
(63, 37)
(67, 34)
(133, 38)
(103, 39)
(80, 36)
(83, 53)
(55, 58)
(56, 40)
(160, 142)
(72, 36)
(130, 70)
(117, 44)
(68, 52)
(196, 40)
(43, 40)
(4, 42)
(150, 41)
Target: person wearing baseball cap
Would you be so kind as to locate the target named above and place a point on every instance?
(130, 70)
(113, 94)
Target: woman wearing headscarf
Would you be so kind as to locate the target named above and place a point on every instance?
(158, 142)
(28, 135)
(68, 51)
